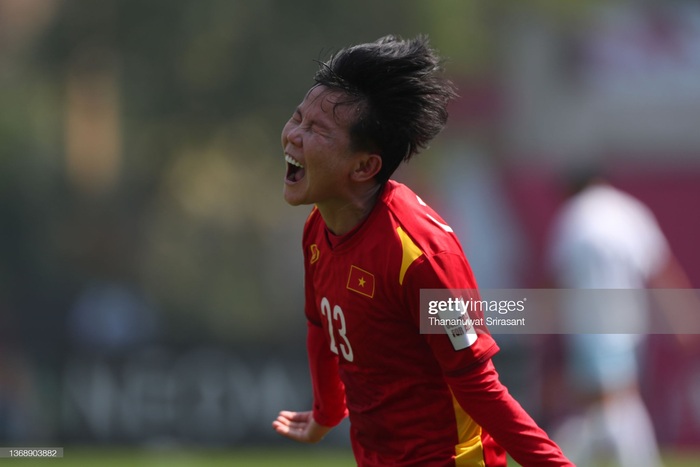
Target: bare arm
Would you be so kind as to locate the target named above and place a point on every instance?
(680, 305)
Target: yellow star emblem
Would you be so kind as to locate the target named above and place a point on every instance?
(361, 281)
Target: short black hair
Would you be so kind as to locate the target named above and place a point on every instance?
(400, 92)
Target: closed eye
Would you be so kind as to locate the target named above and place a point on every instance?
(311, 125)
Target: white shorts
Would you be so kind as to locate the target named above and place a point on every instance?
(603, 361)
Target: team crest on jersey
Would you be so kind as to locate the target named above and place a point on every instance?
(314, 253)
(361, 281)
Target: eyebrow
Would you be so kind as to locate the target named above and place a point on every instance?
(314, 122)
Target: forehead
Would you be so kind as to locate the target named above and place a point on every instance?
(331, 105)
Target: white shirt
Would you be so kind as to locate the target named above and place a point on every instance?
(604, 238)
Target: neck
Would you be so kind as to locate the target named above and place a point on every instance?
(341, 218)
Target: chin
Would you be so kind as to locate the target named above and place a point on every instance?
(293, 200)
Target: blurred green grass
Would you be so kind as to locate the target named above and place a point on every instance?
(305, 456)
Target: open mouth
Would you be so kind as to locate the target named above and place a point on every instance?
(295, 171)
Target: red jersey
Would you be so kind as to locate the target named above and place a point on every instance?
(412, 398)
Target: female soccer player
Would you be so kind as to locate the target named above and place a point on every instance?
(370, 245)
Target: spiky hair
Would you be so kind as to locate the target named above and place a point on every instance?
(400, 93)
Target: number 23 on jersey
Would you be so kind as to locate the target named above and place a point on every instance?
(336, 325)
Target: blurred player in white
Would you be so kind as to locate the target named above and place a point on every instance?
(604, 238)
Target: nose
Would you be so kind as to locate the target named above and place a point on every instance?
(292, 134)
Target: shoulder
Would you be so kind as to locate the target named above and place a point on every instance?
(418, 224)
(604, 211)
(427, 243)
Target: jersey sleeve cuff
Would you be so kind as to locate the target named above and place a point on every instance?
(328, 420)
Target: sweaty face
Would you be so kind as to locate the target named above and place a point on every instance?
(316, 144)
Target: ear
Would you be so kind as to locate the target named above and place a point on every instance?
(366, 167)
